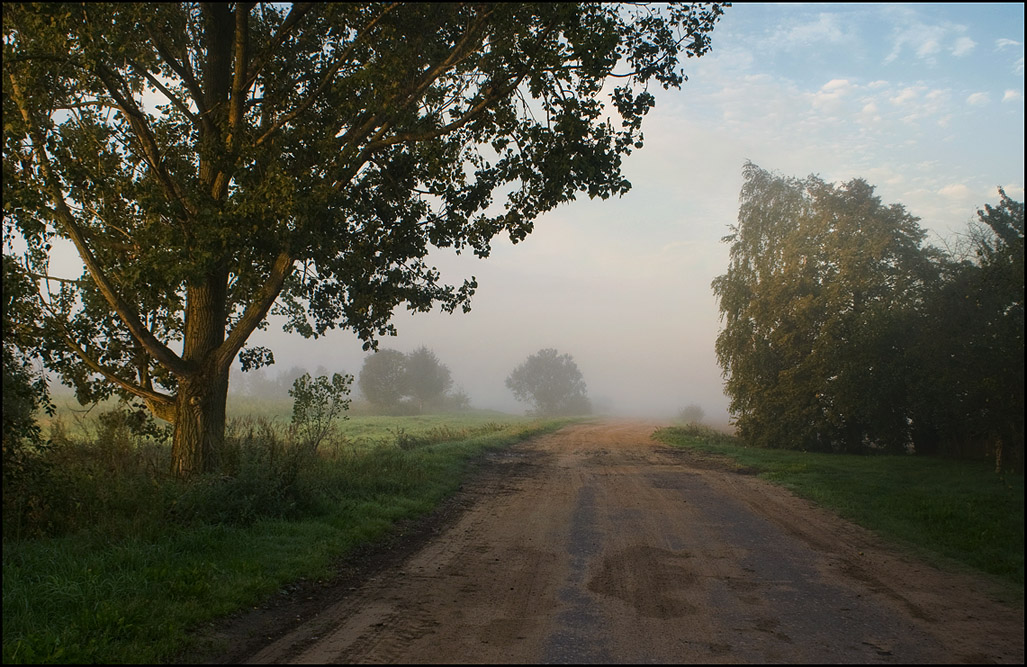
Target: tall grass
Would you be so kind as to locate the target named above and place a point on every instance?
(949, 510)
(107, 558)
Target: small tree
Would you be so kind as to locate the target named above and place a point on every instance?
(316, 404)
(552, 383)
(692, 414)
(382, 379)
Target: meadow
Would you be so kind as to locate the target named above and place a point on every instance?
(107, 558)
(955, 513)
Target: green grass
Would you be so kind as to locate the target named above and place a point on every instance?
(954, 512)
(132, 562)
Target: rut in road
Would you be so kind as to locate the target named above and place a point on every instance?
(596, 544)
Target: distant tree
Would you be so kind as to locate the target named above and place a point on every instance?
(551, 383)
(822, 283)
(211, 160)
(286, 378)
(456, 400)
(427, 379)
(382, 379)
(692, 414)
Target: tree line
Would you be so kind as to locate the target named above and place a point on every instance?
(843, 331)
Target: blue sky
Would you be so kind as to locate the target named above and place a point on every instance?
(924, 101)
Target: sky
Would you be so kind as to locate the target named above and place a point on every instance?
(924, 101)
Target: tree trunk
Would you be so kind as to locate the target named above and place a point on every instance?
(200, 404)
(199, 424)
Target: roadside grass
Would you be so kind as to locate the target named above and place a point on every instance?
(945, 510)
(110, 560)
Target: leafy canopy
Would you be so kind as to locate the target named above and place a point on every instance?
(208, 161)
(822, 282)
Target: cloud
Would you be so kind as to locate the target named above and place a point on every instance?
(826, 29)
(955, 191)
(1001, 44)
(829, 97)
(926, 41)
(1012, 96)
(978, 99)
(906, 95)
(963, 47)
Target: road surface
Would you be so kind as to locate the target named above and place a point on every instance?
(595, 544)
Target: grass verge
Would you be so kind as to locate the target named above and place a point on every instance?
(945, 510)
(134, 589)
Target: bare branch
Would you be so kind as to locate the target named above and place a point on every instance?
(174, 99)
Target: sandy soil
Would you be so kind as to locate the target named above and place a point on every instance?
(596, 544)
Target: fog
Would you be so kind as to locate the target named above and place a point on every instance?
(923, 101)
(623, 285)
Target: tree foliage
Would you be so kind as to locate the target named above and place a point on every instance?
(551, 383)
(389, 379)
(382, 379)
(24, 386)
(971, 340)
(427, 380)
(844, 332)
(212, 161)
(821, 281)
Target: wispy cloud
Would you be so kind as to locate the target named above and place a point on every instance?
(926, 41)
(826, 29)
(954, 191)
(978, 99)
(964, 46)
(1004, 44)
(1012, 96)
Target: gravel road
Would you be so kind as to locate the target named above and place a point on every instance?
(595, 544)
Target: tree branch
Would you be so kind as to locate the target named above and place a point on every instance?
(297, 12)
(182, 106)
(184, 72)
(326, 79)
(139, 331)
(256, 311)
(141, 129)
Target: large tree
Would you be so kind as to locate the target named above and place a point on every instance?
(552, 383)
(970, 403)
(822, 284)
(209, 161)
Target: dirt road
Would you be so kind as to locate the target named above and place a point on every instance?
(596, 544)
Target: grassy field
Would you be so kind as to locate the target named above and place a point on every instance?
(952, 512)
(108, 559)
